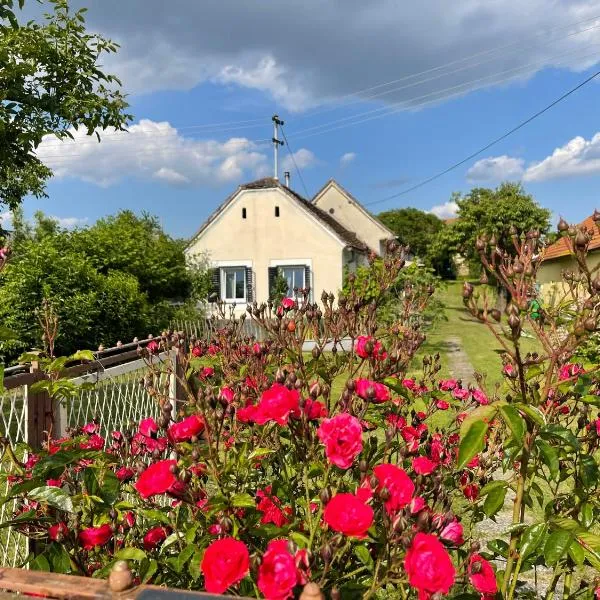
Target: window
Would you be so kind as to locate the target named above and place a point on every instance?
(243, 213)
(233, 284)
(294, 277)
(277, 211)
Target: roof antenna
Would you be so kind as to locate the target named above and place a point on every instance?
(276, 142)
(287, 179)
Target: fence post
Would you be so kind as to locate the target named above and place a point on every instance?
(39, 411)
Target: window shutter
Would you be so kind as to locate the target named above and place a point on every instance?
(249, 285)
(215, 285)
(272, 277)
(307, 282)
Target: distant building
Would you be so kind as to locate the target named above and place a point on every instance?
(558, 258)
(265, 230)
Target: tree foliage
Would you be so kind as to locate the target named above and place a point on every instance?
(492, 212)
(51, 82)
(123, 277)
(413, 227)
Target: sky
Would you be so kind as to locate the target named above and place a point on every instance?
(378, 94)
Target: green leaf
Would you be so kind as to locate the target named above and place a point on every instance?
(59, 558)
(485, 413)
(39, 563)
(150, 571)
(53, 496)
(494, 501)
(556, 546)
(590, 399)
(576, 553)
(532, 413)
(532, 537)
(588, 471)
(549, 456)
(363, 554)
(492, 485)
(244, 500)
(586, 514)
(560, 433)
(260, 452)
(514, 421)
(7, 334)
(85, 355)
(471, 443)
(499, 547)
(300, 539)
(134, 554)
(156, 515)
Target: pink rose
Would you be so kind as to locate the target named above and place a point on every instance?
(453, 532)
(277, 404)
(398, 484)
(423, 465)
(371, 390)
(342, 437)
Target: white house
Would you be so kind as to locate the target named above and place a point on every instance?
(265, 228)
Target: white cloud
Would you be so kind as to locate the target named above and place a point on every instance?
(497, 168)
(347, 158)
(447, 210)
(70, 222)
(152, 150)
(313, 51)
(6, 219)
(577, 157)
(304, 159)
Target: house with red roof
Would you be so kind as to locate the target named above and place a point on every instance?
(559, 257)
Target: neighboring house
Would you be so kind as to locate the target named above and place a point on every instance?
(348, 211)
(558, 258)
(264, 229)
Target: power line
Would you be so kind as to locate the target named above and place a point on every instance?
(487, 146)
(289, 149)
(410, 102)
(357, 94)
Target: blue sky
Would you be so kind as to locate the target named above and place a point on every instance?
(205, 78)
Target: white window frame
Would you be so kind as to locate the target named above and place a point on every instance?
(224, 285)
(296, 262)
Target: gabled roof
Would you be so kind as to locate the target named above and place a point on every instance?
(560, 248)
(355, 202)
(349, 238)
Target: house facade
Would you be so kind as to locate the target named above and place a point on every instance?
(265, 230)
(558, 258)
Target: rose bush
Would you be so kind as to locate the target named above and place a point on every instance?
(274, 467)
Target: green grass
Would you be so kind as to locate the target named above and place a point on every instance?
(480, 345)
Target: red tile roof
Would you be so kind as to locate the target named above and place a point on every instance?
(561, 248)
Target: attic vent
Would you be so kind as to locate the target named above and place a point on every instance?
(243, 213)
(331, 210)
(277, 211)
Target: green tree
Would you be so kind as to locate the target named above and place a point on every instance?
(92, 308)
(491, 212)
(51, 82)
(413, 227)
(137, 245)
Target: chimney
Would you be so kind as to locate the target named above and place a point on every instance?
(287, 179)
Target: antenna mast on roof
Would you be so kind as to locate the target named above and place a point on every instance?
(276, 142)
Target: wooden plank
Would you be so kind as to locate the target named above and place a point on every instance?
(15, 381)
(53, 585)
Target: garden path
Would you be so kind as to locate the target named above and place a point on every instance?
(459, 365)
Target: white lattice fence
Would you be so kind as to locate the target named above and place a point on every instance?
(13, 425)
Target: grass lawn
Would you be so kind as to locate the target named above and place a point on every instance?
(480, 345)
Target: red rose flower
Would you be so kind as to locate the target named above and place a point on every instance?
(54, 483)
(480, 397)
(342, 436)
(154, 537)
(314, 410)
(148, 427)
(128, 520)
(277, 404)
(94, 442)
(288, 303)
(226, 394)
(371, 390)
(225, 563)
(482, 575)
(278, 574)
(453, 532)
(152, 347)
(158, 479)
(207, 372)
(428, 566)
(423, 465)
(447, 385)
(90, 428)
(368, 347)
(95, 536)
(197, 351)
(186, 429)
(348, 514)
(58, 531)
(270, 507)
(471, 491)
(398, 483)
(124, 474)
